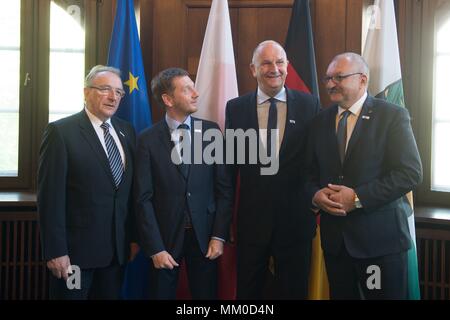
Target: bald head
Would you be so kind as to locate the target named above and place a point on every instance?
(356, 61)
(347, 79)
(267, 43)
(269, 67)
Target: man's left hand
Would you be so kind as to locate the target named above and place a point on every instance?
(344, 195)
(134, 249)
(215, 249)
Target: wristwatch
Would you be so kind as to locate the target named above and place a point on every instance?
(358, 204)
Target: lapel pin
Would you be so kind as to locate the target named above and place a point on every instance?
(366, 117)
(121, 133)
(291, 121)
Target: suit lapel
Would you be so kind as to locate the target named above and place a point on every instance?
(364, 116)
(288, 126)
(168, 144)
(331, 132)
(88, 132)
(124, 142)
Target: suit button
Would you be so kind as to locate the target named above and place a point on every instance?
(341, 177)
(188, 194)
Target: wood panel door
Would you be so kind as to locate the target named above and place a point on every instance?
(172, 33)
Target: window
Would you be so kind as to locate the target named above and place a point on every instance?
(43, 59)
(9, 87)
(440, 157)
(66, 61)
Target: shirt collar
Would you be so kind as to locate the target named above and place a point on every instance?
(95, 120)
(356, 107)
(263, 97)
(173, 124)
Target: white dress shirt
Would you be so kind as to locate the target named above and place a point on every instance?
(355, 110)
(96, 123)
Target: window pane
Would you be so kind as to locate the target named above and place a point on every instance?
(441, 158)
(441, 107)
(443, 36)
(9, 86)
(440, 154)
(66, 61)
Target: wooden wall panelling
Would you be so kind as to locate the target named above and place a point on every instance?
(172, 33)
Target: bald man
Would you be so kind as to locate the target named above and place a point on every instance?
(364, 159)
(273, 218)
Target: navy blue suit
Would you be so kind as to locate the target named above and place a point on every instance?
(163, 198)
(381, 164)
(81, 212)
(273, 217)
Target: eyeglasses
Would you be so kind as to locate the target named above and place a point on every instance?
(339, 78)
(107, 89)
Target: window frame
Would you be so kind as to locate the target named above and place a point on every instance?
(34, 60)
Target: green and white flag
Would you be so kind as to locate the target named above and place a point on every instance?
(382, 55)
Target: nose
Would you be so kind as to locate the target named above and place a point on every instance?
(273, 67)
(330, 84)
(195, 94)
(112, 95)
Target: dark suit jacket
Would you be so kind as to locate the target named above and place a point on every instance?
(81, 214)
(162, 192)
(272, 207)
(382, 164)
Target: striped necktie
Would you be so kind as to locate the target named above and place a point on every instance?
(115, 160)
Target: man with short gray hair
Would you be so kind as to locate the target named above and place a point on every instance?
(363, 160)
(84, 193)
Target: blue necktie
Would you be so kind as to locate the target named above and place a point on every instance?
(115, 160)
(271, 124)
(341, 134)
(184, 166)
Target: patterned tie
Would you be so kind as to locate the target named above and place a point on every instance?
(184, 166)
(115, 160)
(341, 134)
(271, 124)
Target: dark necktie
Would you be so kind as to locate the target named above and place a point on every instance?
(341, 134)
(184, 135)
(115, 160)
(271, 124)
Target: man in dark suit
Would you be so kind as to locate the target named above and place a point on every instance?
(273, 219)
(183, 209)
(84, 192)
(364, 159)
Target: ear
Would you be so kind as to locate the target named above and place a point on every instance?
(253, 70)
(167, 99)
(364, 80)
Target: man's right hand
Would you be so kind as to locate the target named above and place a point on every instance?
(321, 199)
(163, 260)
(60, 267)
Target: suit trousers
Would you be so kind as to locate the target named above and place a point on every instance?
(379, 278)
(96, 284)
(201, 272)
(291, 270)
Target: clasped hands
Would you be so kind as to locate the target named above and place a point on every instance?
(335, 199)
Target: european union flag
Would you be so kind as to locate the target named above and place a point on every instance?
(125, 54)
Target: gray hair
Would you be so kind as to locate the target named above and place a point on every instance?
(357, 60)
(260, 46)
(98, 69)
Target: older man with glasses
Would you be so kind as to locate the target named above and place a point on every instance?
(363, 160)
(84, 193)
